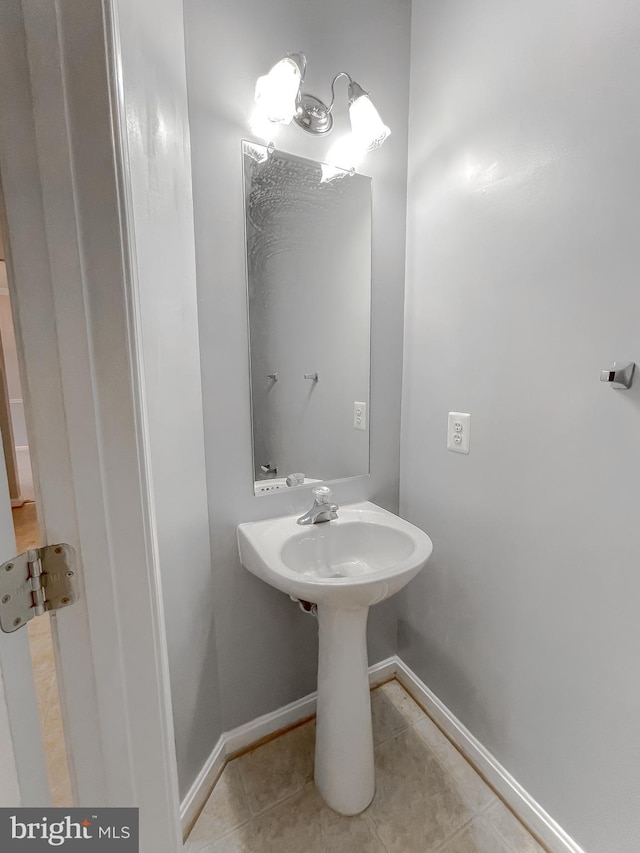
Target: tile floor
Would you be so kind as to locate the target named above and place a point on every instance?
(428, 798)
(25, 523)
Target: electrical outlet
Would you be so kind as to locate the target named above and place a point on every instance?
(360, 416)
(458, 429)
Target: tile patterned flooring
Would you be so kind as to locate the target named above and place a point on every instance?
(25, 523)
(428, 797)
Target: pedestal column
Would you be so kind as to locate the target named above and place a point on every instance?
(344, 768)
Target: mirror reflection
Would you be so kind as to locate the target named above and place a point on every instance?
(308, 241)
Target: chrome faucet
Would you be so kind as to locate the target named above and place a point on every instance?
(322, 509)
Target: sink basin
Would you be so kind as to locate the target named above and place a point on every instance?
(344, 566)
(356, 560)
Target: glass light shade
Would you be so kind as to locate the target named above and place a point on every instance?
(345, 154)
(262, 127)
(368, 128)
(277, 91)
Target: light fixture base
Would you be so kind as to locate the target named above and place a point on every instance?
(313, 116)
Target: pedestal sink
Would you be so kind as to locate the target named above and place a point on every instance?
(344, 566)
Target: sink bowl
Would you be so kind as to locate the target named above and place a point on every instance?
(344, 566)
(356, 560)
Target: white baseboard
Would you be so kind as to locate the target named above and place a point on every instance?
(514, 795)
(383, 671)
(521, 803)
(244, 736)
(199, 792)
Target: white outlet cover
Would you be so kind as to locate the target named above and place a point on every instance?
(458, 432)
(360, 416)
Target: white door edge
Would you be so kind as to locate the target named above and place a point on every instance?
(75, 316)
(9, 784)
(32, 305)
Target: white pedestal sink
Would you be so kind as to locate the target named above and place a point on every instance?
(344, 566)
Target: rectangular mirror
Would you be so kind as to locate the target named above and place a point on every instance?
(308, 240)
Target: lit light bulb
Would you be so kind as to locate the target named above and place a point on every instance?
(262, 126)
(346, 153)
(277, 91)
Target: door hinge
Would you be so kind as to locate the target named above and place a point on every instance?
(32, 583)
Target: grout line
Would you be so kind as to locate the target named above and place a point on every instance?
(251, 819)
(374, 829)
(243, 823)
(489, 806)
(506, 841)
(404, 728)
(442, 763)
(281, 802)
(406, 690)
(459, 831)
(287, 796)
(474, 813)
(407, 724)
(389, 737)
(267, 739)
(206, 844)
(195, 800)
(497, 794)
(255, 745)
(375, 684)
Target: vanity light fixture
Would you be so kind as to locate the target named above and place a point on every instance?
(280, 99)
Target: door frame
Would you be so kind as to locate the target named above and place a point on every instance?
(66, 150)
(7, 442)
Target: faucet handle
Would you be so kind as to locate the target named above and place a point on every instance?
(295, 479)
(322, 494)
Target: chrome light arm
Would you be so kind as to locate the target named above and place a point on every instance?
(333, 87)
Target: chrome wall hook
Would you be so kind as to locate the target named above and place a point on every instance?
(312, 376)
(272, 376)
(620, 375)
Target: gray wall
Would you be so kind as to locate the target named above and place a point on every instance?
(266, 647)
(523, 259)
